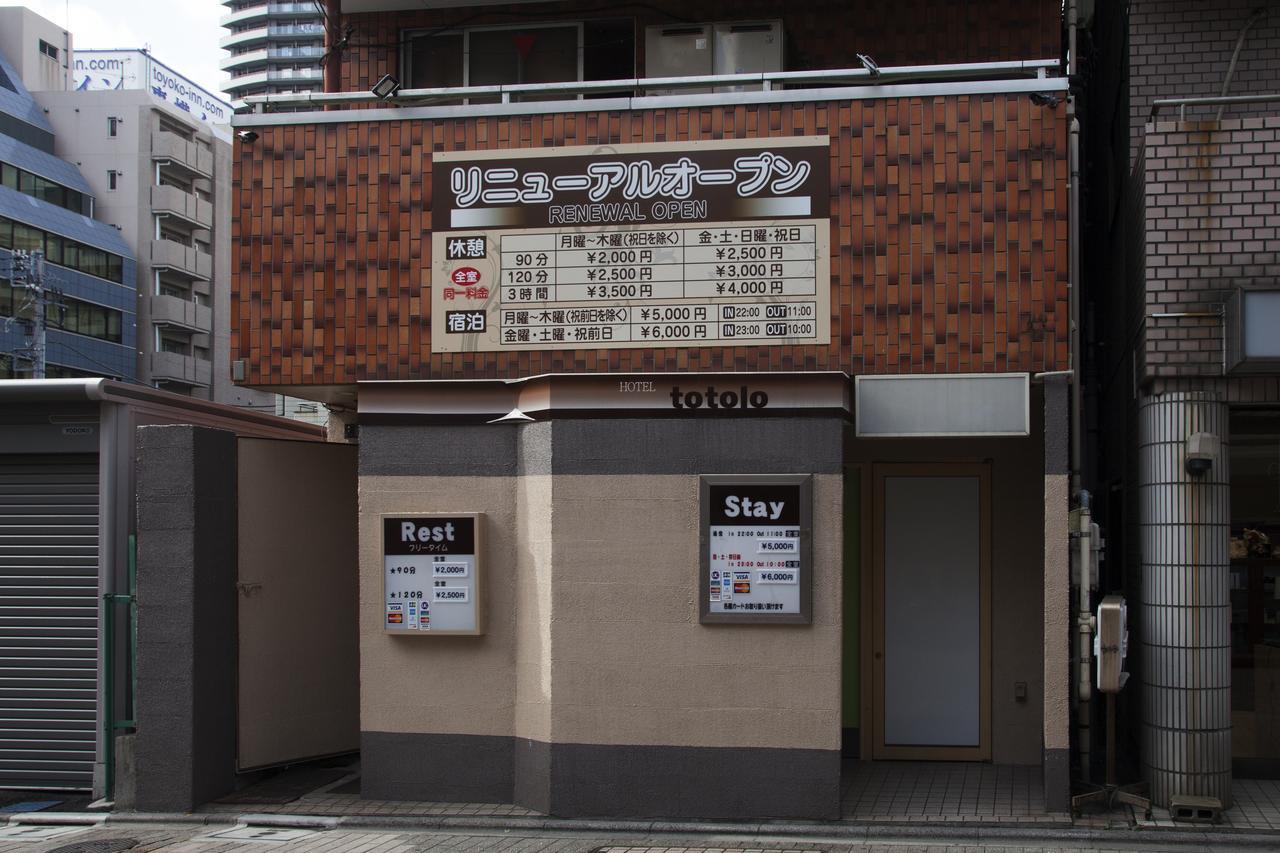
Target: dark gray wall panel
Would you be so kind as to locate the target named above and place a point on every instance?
(436, 768)
(598, 780)
(186, 741)
(438, 450)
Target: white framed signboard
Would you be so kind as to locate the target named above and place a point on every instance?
(757, 549)
(432, 576)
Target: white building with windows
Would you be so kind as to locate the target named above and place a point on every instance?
(272, 47)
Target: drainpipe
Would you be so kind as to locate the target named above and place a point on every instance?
(1073, 284)
(1235, 55)
(1085, 625)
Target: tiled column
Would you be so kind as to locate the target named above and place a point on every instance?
(1184, 632)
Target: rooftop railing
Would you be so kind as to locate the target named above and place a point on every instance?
(656, 92)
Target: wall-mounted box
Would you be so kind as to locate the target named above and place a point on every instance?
(432, 574)
(757, 549)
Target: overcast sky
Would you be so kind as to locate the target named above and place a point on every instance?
(182, 34)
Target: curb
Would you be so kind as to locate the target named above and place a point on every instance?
(870, 833)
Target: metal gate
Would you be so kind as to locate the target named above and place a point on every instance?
(48, 620)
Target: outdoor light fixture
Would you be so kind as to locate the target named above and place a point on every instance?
(386, 87)
(515, 416)
(247, 136)
(869, 64)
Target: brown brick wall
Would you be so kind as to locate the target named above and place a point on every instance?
(824, 34)
(1209, 206)
(948, 240)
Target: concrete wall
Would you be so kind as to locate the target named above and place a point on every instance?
(186, 742)
(596, 690)
(21, 31)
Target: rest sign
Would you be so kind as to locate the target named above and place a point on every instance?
(431, 574)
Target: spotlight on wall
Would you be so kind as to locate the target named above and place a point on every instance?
(248, 137)
(869, 64)
(386, 87)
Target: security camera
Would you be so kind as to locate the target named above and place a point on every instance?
(246, 136)
(1203, 449)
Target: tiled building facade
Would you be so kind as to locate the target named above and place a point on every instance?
(1183, 257)
(426, 264)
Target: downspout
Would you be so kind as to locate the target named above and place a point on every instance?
(1235, 55)
(1073, 252)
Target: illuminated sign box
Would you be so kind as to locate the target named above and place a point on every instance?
(947, 405)
(757, 549)
(432, 574)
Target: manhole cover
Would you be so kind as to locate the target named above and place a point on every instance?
(105, 845)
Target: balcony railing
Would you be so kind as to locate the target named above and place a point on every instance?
(170, 146)
(184, 259)
(173, 311)
(175, 367)
(1222, 102)
(176, 202)
(661, 92)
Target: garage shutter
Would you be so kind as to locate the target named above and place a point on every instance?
(48, 620)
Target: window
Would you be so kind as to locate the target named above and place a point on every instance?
(48, 49)
(113, 125)
(62, 251)
(73, 315)
(550, 53)
(112, 174)
(44, 189)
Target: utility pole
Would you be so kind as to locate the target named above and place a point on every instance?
(32, 301)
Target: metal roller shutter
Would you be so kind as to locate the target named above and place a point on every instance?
(48, 620)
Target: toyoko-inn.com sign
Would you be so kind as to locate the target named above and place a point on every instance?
(104, 70)
(693, 244)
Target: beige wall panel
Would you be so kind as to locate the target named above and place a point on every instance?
(533, 617)
(444, 685)
(631, 663)
(1057, 608)
(1017, 570)
(298, 690)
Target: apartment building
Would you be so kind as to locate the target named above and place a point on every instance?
(1183, 374)
(272, 47)
(710, 371)
(56, 260)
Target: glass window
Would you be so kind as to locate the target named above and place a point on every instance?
(27, 238)
(53, 248)
(1254, 467)
(113, 125)
(9, 176)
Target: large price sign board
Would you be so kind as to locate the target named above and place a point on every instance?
(689, 244)
(757, 549)
(432, 574)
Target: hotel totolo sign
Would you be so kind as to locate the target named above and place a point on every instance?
(678, 244)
